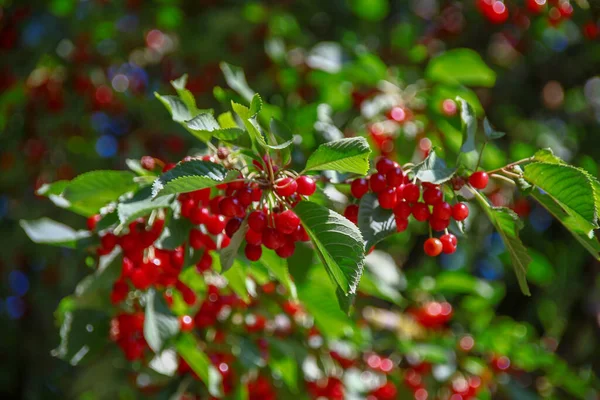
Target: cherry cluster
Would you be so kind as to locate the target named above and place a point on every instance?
(497, 12)
(421, 200)
(127, 330)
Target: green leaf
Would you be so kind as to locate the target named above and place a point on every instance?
(54, 188)
(570, 187)
(93, 291)
(547, 156)
(226, 120)
(93, 190)
(175, 234)
(460, 66)
(140, 205)
(338, 242)
(250, 123)
(433, 169)
(237, 279)
(190, 176)
(235, 78)
(187, 347)
(160, 324)
(508, 224)
(229, 134)
(255, 105)
(579, 232)
(202, 126)
(48, 231)
(374, 222)
(490, 132)
(469, 126)
(176, 107)
(185, 95)
(344, 155)
(229, 253)
(83, 335)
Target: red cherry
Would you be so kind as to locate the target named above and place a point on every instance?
(244, 196)
(359, 187)
(401, 224)
(92, 221)
(397, 114)
(253, 253)
(384, 165)
(257, 220)
(306, 185)
(187, 208)
(186, 323)
(377, 182)
(254, 238)
(205, 262)
(109, 241)
(479, 179)
(449, 243)
(536, 6)
(287, 222)
(215, 224)
(387, 198)
(442, 210)
(394, 177)
(196, 240)
(411, 192)
(460, 211)
(420, 211)
(497, 13)
(351, 212)
(432, 196)
(300, 235)
(232, 226)
(119, 292)
(199, 215)
(288, 248)
(229, 206)
(433, 247)
(286, 187)
(438, 224)
(272, 238)
(402, 209)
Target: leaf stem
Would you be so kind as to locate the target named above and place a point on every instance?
(480, 155)
(504, 178)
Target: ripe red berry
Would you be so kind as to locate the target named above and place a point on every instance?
(306, 185)
(351, 212)
(257, 220)
(186, 323)
(287, 250)
(148, 163)
(254, 238)
(387, 198)
(442, 210)
(359, 187)
(196, 241)
(286, 187)
(232, 226)
(119, 292)
(420, 211)
(272, 238)
(449, 243)
(377, 182)
(253, 253)
(411, 192)
(215, 224)
(401, 224)
(384, 165)
(205, 262)
(108, 242)
(199, 215)
(402, 210)
(287, 222)
(479, 179)
(433, 196)
(92, 221)
(460, 211)
(438, 224)
(536, 6)
(244, 195)
(433, 247)
(394, 177)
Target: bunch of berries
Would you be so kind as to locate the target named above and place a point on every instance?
(422, 200)
(127, 330)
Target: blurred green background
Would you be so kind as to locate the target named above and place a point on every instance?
(77, 81)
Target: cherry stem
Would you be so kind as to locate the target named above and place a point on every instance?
(512, 164)
(504, 178)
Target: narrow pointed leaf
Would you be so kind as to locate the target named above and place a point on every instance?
(48, 231)
(235, 78)
(190, 176)
(490, 132)
(176, 107)
(160, 324)
(187, 347)
(344, 155)
(469, 125)
(229, 253)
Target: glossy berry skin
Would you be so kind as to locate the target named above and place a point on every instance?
(351, 212)
(420, 211)
(306, 185)
(215, 224)
(186, 323)
(401, 224)
(359, 187)
(479, 180)
(92, 221)
(287, 250)
(460, 211)
(394, 177)
(377, 182)
(254, 238)
(287, 222)
(438, 224)
(449, 243)
(433, 196)
(433, 247)
(272, 238)
(387, 198)
(286, 187)
(411, 192)
(442, 210)
(257, 220)
(402, 210)
(384, 165)
(252, 252)
(232, 226)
